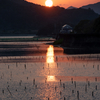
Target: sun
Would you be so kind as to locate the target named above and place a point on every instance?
(49, 3)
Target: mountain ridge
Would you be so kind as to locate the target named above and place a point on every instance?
(95, 7)
(72, 7)
(28, 16)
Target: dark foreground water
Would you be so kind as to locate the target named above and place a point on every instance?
(37, 71)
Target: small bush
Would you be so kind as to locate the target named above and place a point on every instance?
(57, 42)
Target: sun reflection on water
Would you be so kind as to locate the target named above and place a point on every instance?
(50, 78)
(50, 54)
(50, 62)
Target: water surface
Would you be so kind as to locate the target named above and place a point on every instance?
(44, 72)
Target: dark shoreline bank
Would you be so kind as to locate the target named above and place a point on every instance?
(80, 43)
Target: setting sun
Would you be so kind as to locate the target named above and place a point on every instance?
(49, 3)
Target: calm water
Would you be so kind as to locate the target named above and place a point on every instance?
(38, 71)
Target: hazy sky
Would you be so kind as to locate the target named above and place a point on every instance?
(66, 3)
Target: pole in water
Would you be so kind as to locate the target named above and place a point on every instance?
(75, 83)
(3, 91)
(72, 91)
(55, 88)
(8, 66)
(85, 88)
(92, 93)
(34, 82)
(78, 95)
(88, 83)
(96, 87)
(57, 65)
(9, 91)
(35, 86)
(25, 66)
(96, 79)
(63, 85)
(60, 81)
(72, 80)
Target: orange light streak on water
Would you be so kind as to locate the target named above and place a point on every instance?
(50, 78)
(50, 61)
(50, 54)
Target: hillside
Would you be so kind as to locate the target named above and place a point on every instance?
(88, 27)
(22, 15)
(95, 7)
(86, 39)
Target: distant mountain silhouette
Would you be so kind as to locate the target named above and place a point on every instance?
(71, 7)
(22, 15)
(95, 7)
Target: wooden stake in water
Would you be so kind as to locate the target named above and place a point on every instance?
(92, 93)
(60, 92)
(8, 66)
(34, 82)
(88, 83)
(57, 65)
(20, 82)
(72, 80)
(3, 91)
(25, 66)
(25, 87)
(96, 87)
(75, 83)
(96, 79)
(9, 91)
(78, 95)
(11, 74)
(35, 86)
(85, 88)
(55, 88)
(72, 91)
(63, 85)
(60, 82)
(45, 80)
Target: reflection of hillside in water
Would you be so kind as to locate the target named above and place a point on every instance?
(26, 49)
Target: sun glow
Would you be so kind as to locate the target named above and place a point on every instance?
(49, 3)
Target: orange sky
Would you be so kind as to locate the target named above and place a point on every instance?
(66, 3)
